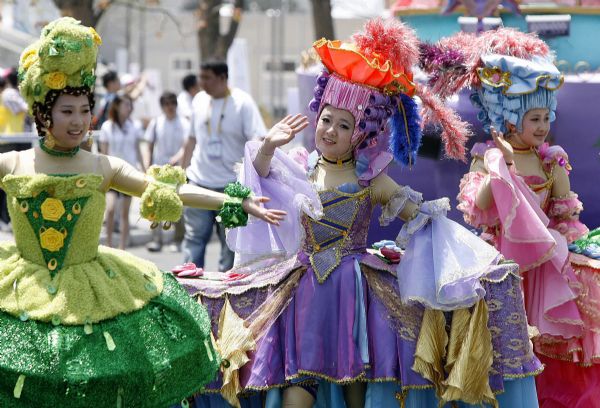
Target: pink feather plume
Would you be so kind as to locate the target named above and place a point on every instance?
(390, 40)
(455, 131)
(505, 41)
(509, 41)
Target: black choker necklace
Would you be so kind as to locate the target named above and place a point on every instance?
(338, 162)
(58, 153)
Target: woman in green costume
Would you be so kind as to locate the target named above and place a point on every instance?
(83, 325)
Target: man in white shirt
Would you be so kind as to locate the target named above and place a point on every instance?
(223, 120)
(190, 87)
(165, 137)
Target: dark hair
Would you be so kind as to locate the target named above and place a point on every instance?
(2, 82)
(167, 97)
(109, 77)
(218, 67)
(189, 81)
(42, 112)
(12, 78)
(113, 109)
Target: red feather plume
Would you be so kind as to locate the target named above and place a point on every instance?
(389, 40)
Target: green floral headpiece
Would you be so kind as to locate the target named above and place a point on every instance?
(64, 56)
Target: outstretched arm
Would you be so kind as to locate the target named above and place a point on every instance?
(126, 179)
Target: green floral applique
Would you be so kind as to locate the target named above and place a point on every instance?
(53, 221)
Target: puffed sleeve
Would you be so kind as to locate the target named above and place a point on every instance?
(396, 201)
(564, 216)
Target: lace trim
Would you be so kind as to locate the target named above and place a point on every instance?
(565, 207)
(396, 204)
(427, 211)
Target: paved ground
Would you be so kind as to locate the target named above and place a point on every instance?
(140, 235)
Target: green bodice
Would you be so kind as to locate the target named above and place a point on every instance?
(56, 220)
(57, 271)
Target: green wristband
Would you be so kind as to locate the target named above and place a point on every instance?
(232, 213)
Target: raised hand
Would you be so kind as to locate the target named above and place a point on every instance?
(502, 144)
(283, 132)
(252, 205)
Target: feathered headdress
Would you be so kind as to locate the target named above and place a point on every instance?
(368, 77)
(511, 72)
(372, 78)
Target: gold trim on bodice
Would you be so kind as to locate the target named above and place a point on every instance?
(327, 238)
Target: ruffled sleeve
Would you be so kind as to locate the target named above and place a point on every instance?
(392, 197)
(160, 201)
(289, 189)
(564, 216)
(473, 215)
(554, 155)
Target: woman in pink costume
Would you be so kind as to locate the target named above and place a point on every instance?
(518, 192)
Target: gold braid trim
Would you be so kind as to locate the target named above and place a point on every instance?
(530, 374)
(344, 381)
(401, 397)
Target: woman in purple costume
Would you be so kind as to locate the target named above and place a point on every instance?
(309, 311)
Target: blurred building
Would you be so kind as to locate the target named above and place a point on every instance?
(266, 52)
(271, 36)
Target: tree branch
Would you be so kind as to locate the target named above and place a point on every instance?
(322, 20)
(208, 29)
(100, 12)
(227, 39)
(154, 9)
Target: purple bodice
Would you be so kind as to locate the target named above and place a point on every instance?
(340, 232)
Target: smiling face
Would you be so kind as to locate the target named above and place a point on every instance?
(536, 125)
(334, 133)
(71, 119)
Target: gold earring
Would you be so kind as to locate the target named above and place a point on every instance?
(49, 140)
